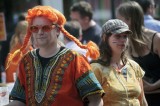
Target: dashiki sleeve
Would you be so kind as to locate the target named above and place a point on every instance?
(86, 81)
(18, 92)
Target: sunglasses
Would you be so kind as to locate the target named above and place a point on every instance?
(44, 28)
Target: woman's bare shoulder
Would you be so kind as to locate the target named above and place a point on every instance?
(148, 32)
(157, 35)
(157, 39)
(157, 43)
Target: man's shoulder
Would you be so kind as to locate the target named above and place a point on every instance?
(153, 21)
(97, 27)
(148, 19)
(94, 30)
(152, 24)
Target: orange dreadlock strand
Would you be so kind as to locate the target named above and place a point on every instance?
(93, 50)
(52, 14)
(16, 57)
(26, 40)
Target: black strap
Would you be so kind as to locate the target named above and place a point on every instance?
(152, 42)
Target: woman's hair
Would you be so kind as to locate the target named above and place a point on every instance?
(59, 20)
(20, 28)
(132, 12)
(106, 51)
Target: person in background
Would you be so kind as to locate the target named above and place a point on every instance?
(5, 45)
(144, 49)
(53, 75)
(2, 73)
(149, 7)
(74, 28)
(1, 67)
(120, 77)
(82, 12)
(22, 16)
(15, 44)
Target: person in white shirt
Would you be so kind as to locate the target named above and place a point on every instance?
(74, 28)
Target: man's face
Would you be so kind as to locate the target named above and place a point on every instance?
(152, 8)
(43, 32)
(76, 17)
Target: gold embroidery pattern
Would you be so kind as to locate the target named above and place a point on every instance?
(54, 85)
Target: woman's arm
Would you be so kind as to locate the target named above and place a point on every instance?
(151, 87)
(152, 92)
(156, 85)
(156, 44)
(95, 100)
(142, 98)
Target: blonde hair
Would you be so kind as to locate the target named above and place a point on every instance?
(20, 28)
(57, 18)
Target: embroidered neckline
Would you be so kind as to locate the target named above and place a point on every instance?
(118, 68)
(56, 81)
(40, 88)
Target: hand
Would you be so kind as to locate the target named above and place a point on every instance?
(2, 94)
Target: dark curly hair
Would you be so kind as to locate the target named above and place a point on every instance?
(106, 52)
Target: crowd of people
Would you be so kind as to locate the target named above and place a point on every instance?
(116, 64)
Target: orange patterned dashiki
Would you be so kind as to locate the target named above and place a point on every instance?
(65, 81)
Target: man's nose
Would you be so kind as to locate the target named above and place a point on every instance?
(40, 31)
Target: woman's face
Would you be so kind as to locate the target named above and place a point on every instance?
(118, 42)
(21, 36)
(124, 20)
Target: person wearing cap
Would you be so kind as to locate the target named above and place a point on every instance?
(52, 75)
(144, 49)
(120, 77)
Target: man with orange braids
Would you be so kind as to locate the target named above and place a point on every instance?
(53, 75)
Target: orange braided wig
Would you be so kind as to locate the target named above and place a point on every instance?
(57, 18)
